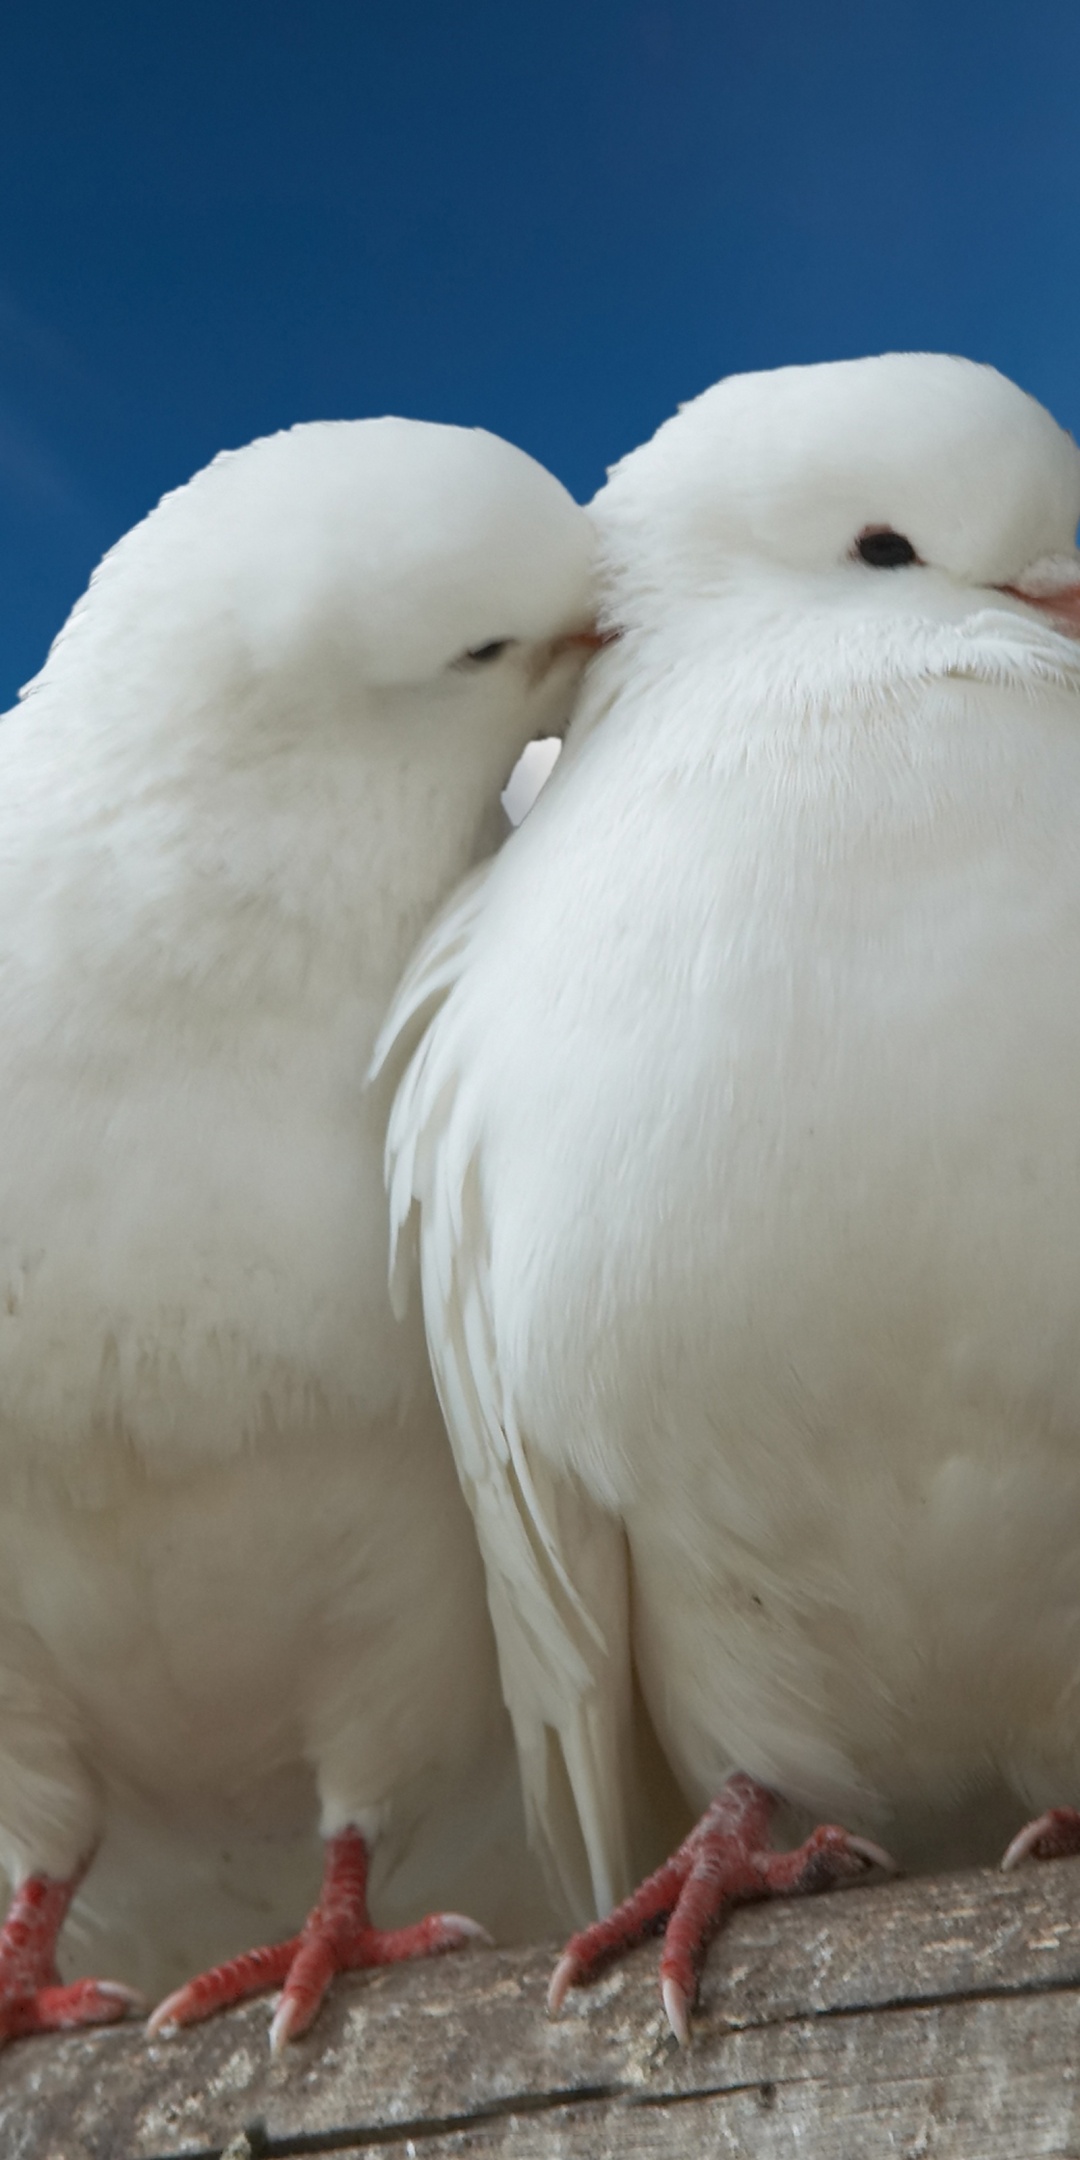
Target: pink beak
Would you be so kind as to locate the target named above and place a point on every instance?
(1063, 606)
(588, 641)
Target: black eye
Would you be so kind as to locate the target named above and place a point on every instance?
(884, 549)
(489, 652)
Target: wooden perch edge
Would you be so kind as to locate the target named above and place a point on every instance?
(934, 2019)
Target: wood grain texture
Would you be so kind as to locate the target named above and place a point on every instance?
(926, 2020)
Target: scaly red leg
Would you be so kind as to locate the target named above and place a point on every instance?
(32, 1996)
(1050, 1837)
(337, 1937)
(726, 1861)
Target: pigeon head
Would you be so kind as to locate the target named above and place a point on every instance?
(913, 484)
(385, 572)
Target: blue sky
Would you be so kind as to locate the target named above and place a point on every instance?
(554, 217)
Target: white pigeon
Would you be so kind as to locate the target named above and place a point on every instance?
(747, 1144)
(241, 1597)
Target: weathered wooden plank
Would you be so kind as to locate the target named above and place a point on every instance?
(936, 2020)
(992, 2081)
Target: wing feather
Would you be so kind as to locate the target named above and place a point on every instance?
(556, 1562)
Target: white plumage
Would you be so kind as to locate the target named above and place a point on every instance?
(239, 1594)
(747, 1137)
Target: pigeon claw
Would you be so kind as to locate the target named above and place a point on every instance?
(62, 2009)
(725, 1861)
(1051, 1836)
(567, 1974)
(222, 1986)
(321, 1955)
(33, 1999)
(677, 2007)
(337, 1937)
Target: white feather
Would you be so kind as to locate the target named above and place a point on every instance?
(239, 1592)
(759, 1077)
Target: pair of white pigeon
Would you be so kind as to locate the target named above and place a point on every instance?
(739, 1141)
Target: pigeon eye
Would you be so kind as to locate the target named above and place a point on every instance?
(483, 653)
(884, 549)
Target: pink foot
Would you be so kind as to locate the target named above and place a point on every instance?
(32, 1996)
(337, 1937)
(725, 1861)
(1050, 1837)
